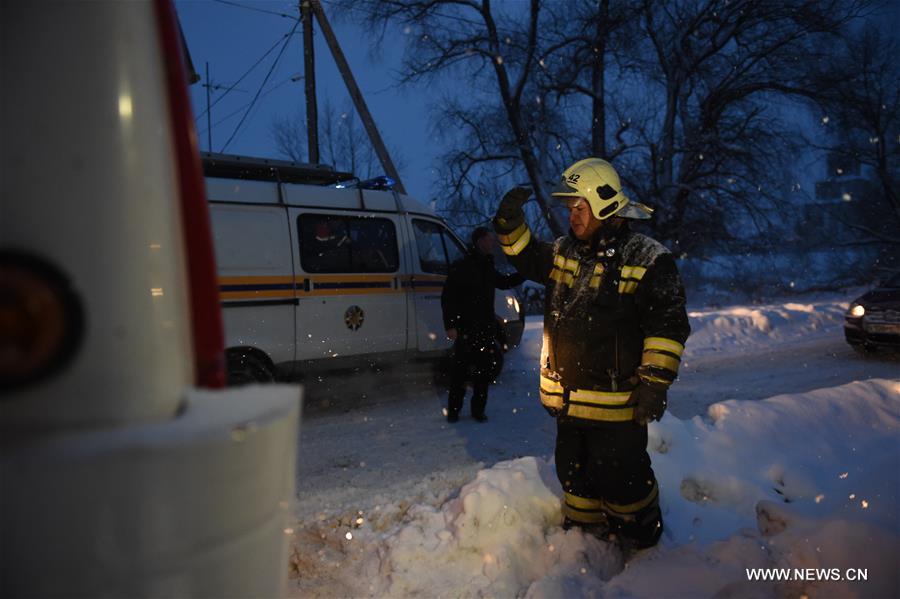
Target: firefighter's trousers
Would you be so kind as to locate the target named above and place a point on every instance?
(607, 479)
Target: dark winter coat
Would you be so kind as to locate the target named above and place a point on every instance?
(468, 297)
(613, 308)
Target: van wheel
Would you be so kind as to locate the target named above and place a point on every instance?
(245, 368)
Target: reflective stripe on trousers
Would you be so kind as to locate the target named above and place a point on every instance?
(604, 406)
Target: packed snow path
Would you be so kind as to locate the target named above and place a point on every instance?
(383, 447)
(386, 433)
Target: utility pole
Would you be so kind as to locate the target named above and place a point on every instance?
(309, 73)
(208, 115)
(355, 94)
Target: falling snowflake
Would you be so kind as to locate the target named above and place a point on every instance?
(825, 120)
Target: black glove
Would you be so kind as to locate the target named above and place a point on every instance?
(509, 212)
(552, 411)
(649, 401)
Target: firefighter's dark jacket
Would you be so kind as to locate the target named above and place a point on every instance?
(468, 297)
(614, 315)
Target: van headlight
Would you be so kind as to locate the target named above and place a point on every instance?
(857, 311)
(513, 303)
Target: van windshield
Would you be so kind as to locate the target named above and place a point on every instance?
(437, 248)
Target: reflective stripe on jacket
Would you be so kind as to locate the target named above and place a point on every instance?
(614, 314)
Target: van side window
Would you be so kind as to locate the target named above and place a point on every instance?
(342, 244)
(437, 248)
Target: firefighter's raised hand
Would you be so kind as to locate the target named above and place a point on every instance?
(649, 401)
(510, 209)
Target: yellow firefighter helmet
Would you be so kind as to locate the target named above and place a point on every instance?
(598, 183)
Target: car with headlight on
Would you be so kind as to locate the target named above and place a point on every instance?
(873, 319)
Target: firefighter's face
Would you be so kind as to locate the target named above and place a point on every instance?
(582, 221)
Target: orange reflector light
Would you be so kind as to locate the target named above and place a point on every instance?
(41, 320)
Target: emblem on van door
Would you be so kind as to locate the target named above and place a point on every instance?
(354, 317)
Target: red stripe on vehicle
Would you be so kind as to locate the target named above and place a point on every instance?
(206, 314)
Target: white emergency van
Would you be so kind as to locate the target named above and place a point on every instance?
(317, 270)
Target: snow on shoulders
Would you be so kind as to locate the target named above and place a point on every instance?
(643, 250)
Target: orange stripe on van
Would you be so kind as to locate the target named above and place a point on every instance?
(278, 293)
(347, 278)
(353, 285)
(255, 280)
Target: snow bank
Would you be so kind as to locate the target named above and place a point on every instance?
(755, 328)
(743, 328)
(795, 481)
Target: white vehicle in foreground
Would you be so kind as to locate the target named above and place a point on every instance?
(121, 476)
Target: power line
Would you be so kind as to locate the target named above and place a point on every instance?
(247, 72)
(259, 91)
(232, 114)
(256, 8)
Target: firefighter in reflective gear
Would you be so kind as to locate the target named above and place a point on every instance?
(614, 330)
(469, 319)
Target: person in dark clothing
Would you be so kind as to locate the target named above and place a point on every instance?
(615, 325)
(468, 306)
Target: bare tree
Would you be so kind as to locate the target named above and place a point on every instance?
(473, 38)
(342, 139)
(483, 158)
(692, 99)
(861, 100)
(720, 66)
(585, 39)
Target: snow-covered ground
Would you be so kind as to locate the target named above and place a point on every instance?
(393, 501)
